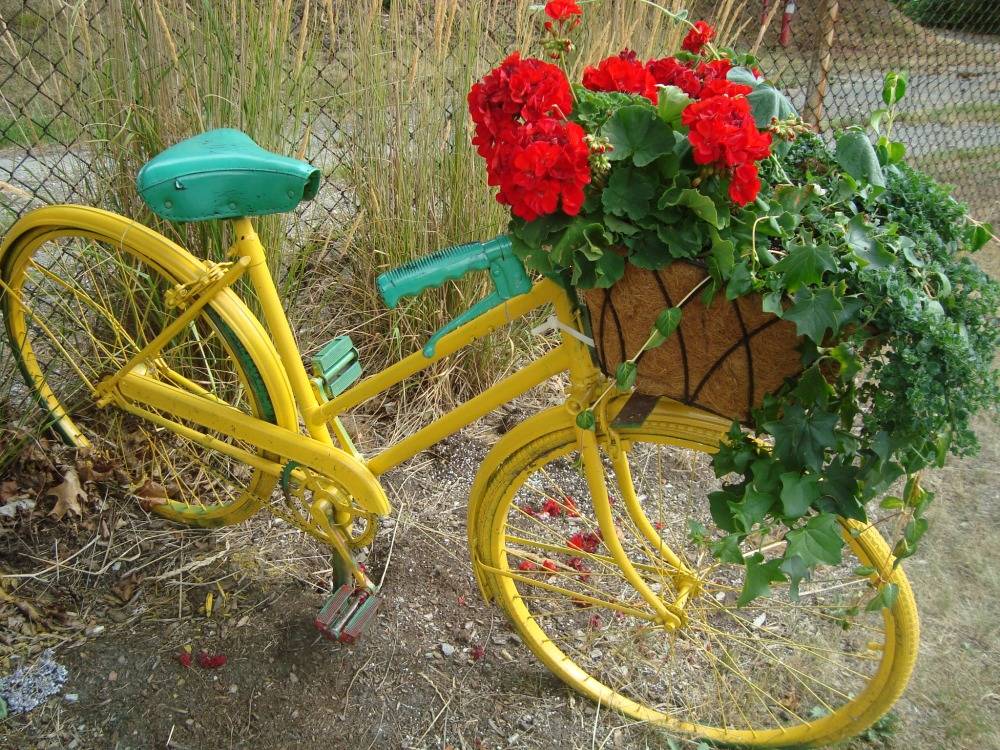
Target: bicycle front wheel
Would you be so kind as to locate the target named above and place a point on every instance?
(83, 290)
(781, 671)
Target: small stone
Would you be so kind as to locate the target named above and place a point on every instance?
(113, 677)
(512, 740)
(447, 649)
(71, 697)
(293, 678)
(94, 630)
(233, 689)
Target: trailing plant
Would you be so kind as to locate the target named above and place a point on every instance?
(696, 156)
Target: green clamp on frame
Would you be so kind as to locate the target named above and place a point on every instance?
(450, 264)
(335, 367)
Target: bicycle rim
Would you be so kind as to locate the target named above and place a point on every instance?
(775, 673)
(78, 304)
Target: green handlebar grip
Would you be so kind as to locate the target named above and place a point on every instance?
(449, 264)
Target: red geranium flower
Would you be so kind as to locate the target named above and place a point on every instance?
(551, 507)
(744, 185)
(698, 37)
(562, 10)
(541, 167)
(623, 72)
(722, 132)
(669, 71)
(515, 92)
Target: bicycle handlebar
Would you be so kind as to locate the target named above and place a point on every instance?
(496, 256)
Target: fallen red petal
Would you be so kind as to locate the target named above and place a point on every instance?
(184, 658)
(211, 661)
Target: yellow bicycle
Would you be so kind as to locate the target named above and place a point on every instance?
(139, 351)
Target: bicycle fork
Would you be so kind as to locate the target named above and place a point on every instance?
(668, 614)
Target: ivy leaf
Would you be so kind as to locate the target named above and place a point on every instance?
(857, 157)
(751, 510)
(884, 599)
(819, 541)
(839, 484)
(865, 247)
(636, 132)
(760, 576)
(798, 493)
(728, 550)
(629, 193)
(812, 388)
(797, 571)
(719, 504)
(804, 265)
(814, 312)
(801, 438)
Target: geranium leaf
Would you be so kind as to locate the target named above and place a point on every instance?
(671, 103)
(636, 133)
(857, 157)
(804, 265)
(818, 542)
(767, 103)
(760, 575)
(798, 493)
(608, 269)
(629, 193)
(814, 312)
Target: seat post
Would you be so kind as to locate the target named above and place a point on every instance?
(247, 244)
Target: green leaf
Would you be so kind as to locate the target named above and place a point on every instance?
(891, 502)
(608, 269)
(979, 236)
(884, 599)
(798, 493)
(585, 420)
(767, 103)
(864, 570)
(719, 504)
(648, 251)
(857, 157)
(740, 281)
(670, 104)
(801, 438)
(759, 577)
(728, 550)
(753, 507)
(893, 88)
(629, 192)
(875, 119)
(818, 542)
(812, 388)
(804, 265)
(797, 571)
(861, 240)
(636, 133)
(815, 312)
(625, 375)
(700, 204)
(667, 321)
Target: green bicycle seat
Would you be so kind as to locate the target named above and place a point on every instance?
(223, 174)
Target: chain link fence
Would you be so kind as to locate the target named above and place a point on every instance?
(56, 120)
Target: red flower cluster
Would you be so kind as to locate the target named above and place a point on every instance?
(702, 81)
(585, 542)
(562, 10)
(722, 133)
(536, 158)
(624, 73)
(698, 37)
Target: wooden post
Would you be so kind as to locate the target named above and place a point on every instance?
(814, 106)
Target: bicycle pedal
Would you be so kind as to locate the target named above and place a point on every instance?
(347, 613)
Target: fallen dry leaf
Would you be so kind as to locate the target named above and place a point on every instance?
(151, 493)
(7, 490)
(126, 587)
(68, 496)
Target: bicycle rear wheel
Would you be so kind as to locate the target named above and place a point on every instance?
(778, 672)
(83, 290)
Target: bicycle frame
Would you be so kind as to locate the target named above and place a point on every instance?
(131, 390)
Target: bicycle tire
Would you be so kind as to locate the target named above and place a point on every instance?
(504, 534)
